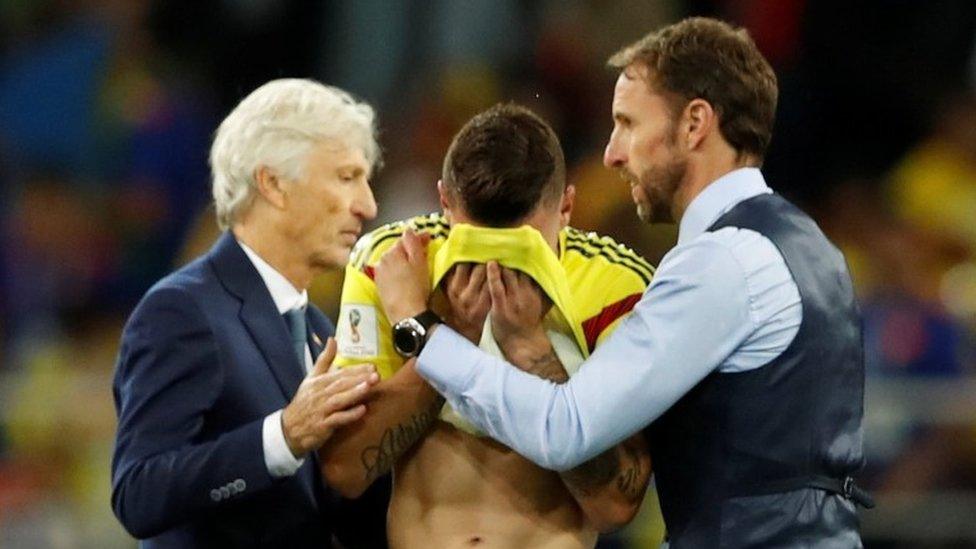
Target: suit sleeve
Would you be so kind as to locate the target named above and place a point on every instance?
(168, 378)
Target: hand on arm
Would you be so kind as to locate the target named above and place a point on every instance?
(401, 410)
(326, 400)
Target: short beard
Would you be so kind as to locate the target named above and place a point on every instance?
(660, 186)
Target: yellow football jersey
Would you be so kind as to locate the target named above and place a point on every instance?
(593, 282)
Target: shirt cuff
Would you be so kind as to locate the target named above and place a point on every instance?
(447, 361)
(277, 456)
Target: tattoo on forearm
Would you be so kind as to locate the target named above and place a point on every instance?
(548, 366)
(632, 479)
(378, 459)
(620, 466)
(587, 479)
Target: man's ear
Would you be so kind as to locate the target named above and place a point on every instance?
(444, 195)
(270, 187)
(699, 118)
(566, 204)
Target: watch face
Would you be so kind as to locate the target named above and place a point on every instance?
(406, 340)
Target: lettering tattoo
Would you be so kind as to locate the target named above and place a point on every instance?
(378, 459)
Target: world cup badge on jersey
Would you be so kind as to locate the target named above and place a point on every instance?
(354, 318)
(357, 331)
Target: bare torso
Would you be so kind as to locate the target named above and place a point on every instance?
(456, 490)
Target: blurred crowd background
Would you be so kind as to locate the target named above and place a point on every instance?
(107, 108)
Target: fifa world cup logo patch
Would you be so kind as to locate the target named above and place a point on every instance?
(357, 333)
(355, 317)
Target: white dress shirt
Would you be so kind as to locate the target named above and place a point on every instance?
(720, 301)
(277, 456)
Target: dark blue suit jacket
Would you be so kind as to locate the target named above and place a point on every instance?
(204, 358)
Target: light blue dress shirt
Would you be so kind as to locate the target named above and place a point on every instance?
(721, 300)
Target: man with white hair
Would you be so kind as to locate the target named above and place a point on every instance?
(221, 400)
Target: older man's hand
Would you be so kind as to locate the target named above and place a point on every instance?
(403, 277)
(326, 400)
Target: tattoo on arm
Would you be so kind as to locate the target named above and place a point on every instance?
(378, 459)
(587, 479)
(548, 366)
(619, 466)
(538, 362)
(632, 478)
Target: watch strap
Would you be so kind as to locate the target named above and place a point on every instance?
(427, 319)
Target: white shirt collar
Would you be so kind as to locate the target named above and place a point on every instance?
(285, 296)
(718, 198)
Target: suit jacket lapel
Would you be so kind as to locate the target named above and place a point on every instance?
(258, 313)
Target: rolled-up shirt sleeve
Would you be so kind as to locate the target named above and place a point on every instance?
(692, 317)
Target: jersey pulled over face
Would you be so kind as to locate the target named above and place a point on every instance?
(593, 282)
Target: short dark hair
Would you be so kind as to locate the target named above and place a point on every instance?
(503, 163)
(709, 59)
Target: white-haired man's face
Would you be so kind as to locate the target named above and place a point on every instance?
(325, 207)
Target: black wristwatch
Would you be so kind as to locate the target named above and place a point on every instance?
(410, 334)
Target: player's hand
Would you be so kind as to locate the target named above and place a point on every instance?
(326, 400)
(403, 278)
(518, 306)
(464, 301)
